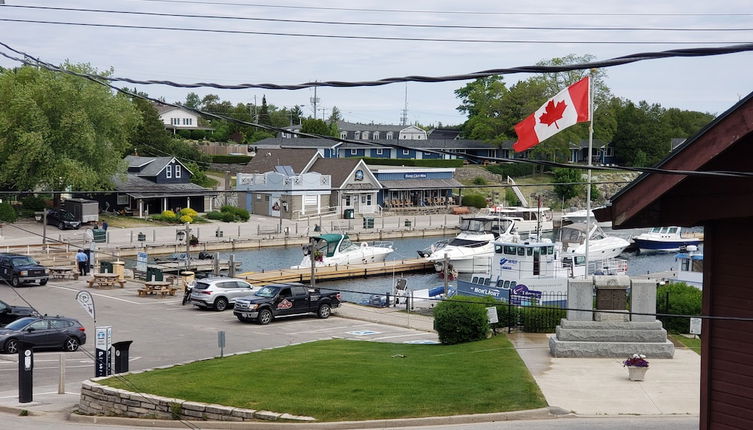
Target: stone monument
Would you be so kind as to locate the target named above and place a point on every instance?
(610, 330)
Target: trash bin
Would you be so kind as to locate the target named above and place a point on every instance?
(154, 274)
(99, 235)
(105, 267)
(118, 268)
(349, 214)
(368, 222)
(121, 355)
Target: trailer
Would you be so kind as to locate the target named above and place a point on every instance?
(82, 209)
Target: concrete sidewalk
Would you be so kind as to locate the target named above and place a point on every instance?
(396, 316)
(599, 386)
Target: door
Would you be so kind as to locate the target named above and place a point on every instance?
(38, 333)
(300, 300)
(241, 289)
(284, 302)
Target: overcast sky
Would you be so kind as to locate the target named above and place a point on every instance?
(710, 84)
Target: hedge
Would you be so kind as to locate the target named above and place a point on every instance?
(7, 213)
(678, 298)
(475, 200)
(462, 319)
(513, 169)
(411, 162)
(231, 159)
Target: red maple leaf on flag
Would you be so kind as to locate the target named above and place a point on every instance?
(553, 113)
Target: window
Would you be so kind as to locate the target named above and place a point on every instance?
(169, 171)
(366, 199)
(175, 121)
(178, 171)
(365, 135)
(353, 151)
(389, 135)
(375, 135)
(379, 151)
(309, 200)
(347, 200)
(356, 135)
(343, 135)
(406, 151)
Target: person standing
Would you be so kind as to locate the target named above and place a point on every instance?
(83, 262)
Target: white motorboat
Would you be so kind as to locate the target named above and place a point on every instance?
(689, 266)
(600, 246)
(470, 250)
(532, 220)
(532, 270)
(579, 216)
(669, 239)
(337, 249)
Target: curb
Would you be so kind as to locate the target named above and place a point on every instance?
(533, 414)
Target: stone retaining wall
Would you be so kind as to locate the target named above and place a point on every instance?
(99, 399)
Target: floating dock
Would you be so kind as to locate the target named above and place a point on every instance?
(331, 273)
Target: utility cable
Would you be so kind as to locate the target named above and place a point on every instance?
(387, 24)
(362, 37)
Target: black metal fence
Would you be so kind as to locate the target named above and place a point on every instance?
(533, 313)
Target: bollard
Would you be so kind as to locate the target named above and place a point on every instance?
(61, 379)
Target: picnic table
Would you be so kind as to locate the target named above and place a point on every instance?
(161, 288)
(63, 272)
(105, 280)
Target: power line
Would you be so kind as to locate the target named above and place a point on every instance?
(387, 24)
(103, 81)
(455, 12)
(612, 62)
(383, 38)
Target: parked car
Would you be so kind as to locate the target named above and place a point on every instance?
(10, 313)
(219, 293)
(17, 269)
(43, 332)
(62, 219)
(276, 300)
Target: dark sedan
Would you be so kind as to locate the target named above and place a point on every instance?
(62, 219)
(42, 332)
(10, 313)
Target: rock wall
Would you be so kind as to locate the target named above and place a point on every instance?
(97, 399)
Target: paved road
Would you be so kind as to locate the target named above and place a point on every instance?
(164, 332)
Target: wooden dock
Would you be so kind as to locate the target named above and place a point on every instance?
(196, 266)
(331, 273)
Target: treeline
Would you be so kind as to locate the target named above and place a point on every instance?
(641, 133)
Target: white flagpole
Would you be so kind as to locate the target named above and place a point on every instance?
(590, 156)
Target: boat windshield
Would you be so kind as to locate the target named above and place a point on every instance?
(472, 225)
(346, 244)
(467, 243)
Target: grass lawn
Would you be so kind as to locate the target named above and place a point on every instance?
(693, 344)
(338, 380)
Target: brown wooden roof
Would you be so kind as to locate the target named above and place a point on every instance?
(266, 160)
(655, 199)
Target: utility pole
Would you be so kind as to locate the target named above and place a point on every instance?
(188, 245)
(311, 244)
(44, 221)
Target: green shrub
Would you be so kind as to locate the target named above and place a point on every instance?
(511, 198)
(538, 320)
(228, 216)
(168, 214)
(238, 213)
(512, 169)
(214, 215)
(7, 213)
(410, 162)
(475, 200)
(678, 298)
(231, 159)
(461, 319)
(34, 203)
(479, 180)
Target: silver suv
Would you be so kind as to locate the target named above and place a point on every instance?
(219, 293)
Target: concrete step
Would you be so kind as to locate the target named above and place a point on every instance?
(611, 335)
(623, 350)
(610, 325)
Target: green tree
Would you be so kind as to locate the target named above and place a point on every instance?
(317, 126)
(264, 112)
(640, 129)
(192, 101)
(59, 131)
(565, 187)
(335, 115)
(150, 136)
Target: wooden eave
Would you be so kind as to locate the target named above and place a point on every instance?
(660, 199)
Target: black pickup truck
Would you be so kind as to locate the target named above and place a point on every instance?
(276, 300)
(17, 269)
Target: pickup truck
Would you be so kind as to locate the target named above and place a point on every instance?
(17, 269)
(276, 300)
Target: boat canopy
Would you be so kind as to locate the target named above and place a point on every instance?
(327, 243)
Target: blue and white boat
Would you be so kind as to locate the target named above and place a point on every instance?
(532, 270)
(689, 267)
(666, 239)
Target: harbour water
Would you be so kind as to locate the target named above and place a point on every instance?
(359, 290)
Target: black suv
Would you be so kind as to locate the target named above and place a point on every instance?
(17, 269)
(43, 332)
(62, 219)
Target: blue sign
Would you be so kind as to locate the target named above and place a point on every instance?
(521, 295)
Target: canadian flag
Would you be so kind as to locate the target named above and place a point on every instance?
(567, 108)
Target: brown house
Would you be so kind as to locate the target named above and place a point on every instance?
(723, 205)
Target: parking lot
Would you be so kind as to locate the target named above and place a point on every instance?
(164, 332)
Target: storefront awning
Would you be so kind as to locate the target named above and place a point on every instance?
(412, 184)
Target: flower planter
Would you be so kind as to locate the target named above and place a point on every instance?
(636, 373)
